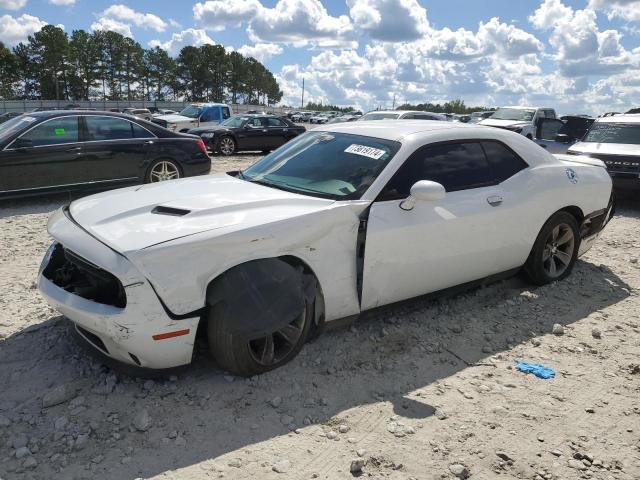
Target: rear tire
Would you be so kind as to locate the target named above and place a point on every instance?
(162, 170)
(555, 251)
(247, 358)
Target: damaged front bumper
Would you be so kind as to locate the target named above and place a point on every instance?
(114, 308)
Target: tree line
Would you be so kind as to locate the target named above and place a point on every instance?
(455, 106)
(105, 65)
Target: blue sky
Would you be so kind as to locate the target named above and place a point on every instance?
(576, 55)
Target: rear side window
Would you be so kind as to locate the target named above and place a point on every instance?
(457, 166)
(275, 122)
(139, 132)
(54, 132)
(504, 162)
(225, 112)
(210, 114)
(108, 128)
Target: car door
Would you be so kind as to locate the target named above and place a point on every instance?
(255, 134)
(546, 134)
(467, 235)
(47, 155)
(116, 148)
(277, 132)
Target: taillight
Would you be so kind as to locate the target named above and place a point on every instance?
(202, 146)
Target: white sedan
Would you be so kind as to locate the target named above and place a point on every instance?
(337, 221)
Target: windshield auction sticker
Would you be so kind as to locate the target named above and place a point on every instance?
(370, 152)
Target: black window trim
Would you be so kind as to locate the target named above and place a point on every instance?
(457, 142)
(81, 131)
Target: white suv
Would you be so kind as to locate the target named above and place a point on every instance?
(522, 120)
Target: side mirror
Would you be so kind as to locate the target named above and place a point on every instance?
(247, 126)
(423, 191)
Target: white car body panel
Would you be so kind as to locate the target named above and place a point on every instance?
(173, 259)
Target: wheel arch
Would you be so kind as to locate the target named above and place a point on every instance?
(293, 261)
(573, 210)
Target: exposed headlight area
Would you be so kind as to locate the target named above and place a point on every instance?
(172, 126)
(207, 135)
(80, 277)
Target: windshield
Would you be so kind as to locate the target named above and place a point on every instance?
(519, 114)
(10, 127)
(339, 166)
(379, 116)
(234, 122)
(191, 112)
(605, 132)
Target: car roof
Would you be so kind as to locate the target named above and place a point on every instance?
(626, 118)
(525, 107)
(396, 129)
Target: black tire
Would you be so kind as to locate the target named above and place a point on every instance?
(237, 355)
(221, 146)
(150, 176)
(266, 152)
(553, 256)
(529, 136)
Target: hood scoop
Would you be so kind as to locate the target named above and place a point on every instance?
(172, 212)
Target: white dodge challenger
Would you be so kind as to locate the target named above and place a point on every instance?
(338, 221)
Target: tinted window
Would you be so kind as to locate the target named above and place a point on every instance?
(503, 162)
(225, 112)
(53, 132)
(549, 129)
(458, 166)
(139, 132)
(108, 128)
(275, 122)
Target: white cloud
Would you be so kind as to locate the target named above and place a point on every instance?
(301, 22)
(218, 14)
(12, 4)
(111, 25)
(16, 30)
(189, 37)
(625, 9)
(580, 47)
(125, 15)
(261, 51)
(389, 20)
(62, 2)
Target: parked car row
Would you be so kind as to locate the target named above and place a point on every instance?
(248, 132)
(70, 150)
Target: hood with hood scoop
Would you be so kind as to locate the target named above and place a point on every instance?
(138, 217)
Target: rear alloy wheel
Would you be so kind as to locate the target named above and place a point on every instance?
(162, 171)
(227, 146)
(555, 251)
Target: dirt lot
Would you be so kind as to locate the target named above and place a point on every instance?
(426, 390)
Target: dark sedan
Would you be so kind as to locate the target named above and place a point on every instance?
(5, 117)
(248, 132)
(68, 150)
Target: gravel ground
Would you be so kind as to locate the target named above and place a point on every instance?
(426, 390)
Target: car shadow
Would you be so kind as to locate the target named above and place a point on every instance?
(386, 356)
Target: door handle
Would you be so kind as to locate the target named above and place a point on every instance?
(495, 200)
(264, 130)
(149, 142)
(75, 149)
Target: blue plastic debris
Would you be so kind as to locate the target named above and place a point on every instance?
(538, 370)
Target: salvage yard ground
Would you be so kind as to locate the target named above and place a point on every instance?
(425, 390)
